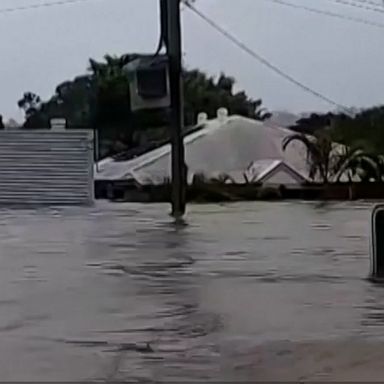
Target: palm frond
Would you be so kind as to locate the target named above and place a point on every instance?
(297, 137)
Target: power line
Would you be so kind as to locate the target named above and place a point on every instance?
(371, 2)
(361, 5)
(263, 60)
(329, 13)
(41, 5)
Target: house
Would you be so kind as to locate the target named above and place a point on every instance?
(225, 145)
(274, 173)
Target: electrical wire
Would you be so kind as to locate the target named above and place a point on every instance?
(328, 13)
(46, 4)
(265, 61)
(163, 39)
(67, 2)
(371, 2)
(361, 5)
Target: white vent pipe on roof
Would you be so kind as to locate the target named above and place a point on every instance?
(222, 115)
(202, 118)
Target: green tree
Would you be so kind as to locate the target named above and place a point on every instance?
(319, 153)
(364, 130)
(328, 161)
(100, 99)
(111, 115)
(356, 164)
(206, 94)
(29, 103)
(313, 123)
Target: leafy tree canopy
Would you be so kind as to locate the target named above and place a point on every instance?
(99, 99)
(328, 161)
(364, 130)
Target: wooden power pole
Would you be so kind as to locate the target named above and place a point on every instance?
(171, 29)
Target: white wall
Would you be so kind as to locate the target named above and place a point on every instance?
(281, 177)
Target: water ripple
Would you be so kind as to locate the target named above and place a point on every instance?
(120, 292)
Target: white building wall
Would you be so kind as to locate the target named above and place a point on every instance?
(281, 177)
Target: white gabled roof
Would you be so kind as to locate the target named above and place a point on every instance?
(221, 146)
(110, 169)
(259, 171)
(260, 168)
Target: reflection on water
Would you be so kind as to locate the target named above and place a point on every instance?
(120, 293)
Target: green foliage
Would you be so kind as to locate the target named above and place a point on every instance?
(207, 94)
(362, 136)
(100, 100)
(365, 130)
(319, 153)
(328, 161)
(29, 103)
(357, 164)
(313, 123)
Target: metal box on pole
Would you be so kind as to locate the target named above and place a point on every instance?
(149, 86)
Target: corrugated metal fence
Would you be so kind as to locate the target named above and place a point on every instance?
(44, 167)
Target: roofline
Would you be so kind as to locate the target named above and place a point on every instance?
(158, 153)
(293, 172)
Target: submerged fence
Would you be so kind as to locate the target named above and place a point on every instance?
(45, 167)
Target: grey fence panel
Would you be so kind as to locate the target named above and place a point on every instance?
(44, 167)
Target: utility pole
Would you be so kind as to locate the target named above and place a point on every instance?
(171, 23)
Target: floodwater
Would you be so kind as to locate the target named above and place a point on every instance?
(118, 292)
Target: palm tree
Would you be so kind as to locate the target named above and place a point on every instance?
(320, 155)
(357, 163)
(260, 113)
(30, 103)
(330, 162)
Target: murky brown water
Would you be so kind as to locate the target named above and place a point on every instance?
(82, 291)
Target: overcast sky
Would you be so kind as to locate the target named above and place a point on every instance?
(343, 60)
